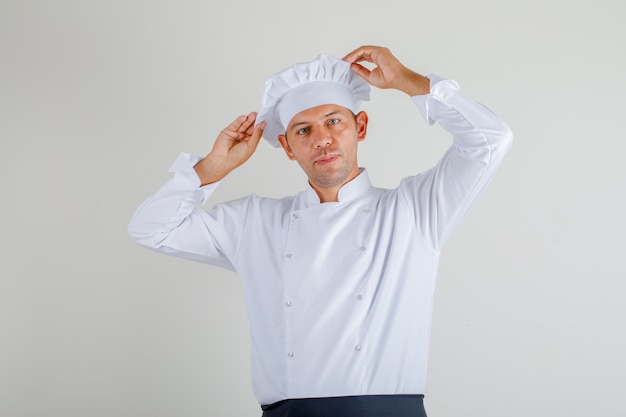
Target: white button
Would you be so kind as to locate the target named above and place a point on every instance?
(288, 256)
(288, 303)
(362, 248)
(290, 354)
(359, 297)
(295, 216)
(366, 210)
(357, 348)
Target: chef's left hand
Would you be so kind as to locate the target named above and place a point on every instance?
(389, 71)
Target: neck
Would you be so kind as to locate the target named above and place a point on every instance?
(330, 193)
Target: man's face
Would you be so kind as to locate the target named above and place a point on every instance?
(324, 141)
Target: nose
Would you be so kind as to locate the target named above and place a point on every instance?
(323, 139)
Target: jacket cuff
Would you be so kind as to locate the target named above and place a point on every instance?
(185, 177)
(440, 90)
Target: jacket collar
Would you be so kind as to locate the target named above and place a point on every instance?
(351, 190)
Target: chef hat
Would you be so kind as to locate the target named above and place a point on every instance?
(325, 80)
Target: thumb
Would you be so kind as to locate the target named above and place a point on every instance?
(361, 71)
(257, 134)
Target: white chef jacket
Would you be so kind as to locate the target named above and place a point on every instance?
(339, 295)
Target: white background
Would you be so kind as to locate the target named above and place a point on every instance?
(98, 98)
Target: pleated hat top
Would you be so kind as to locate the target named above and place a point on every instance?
(325, 80)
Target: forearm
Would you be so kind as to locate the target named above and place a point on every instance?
(413, 84)
(211, 169)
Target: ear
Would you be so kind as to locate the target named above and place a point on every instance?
(361, 125)
(283, 142)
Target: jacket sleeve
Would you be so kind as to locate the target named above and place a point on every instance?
(442, 196)
(171, 221)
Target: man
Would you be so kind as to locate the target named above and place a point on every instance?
(338, 279)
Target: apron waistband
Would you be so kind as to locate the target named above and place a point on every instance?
(351, 406)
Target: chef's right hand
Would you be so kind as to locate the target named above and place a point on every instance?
(233, 146)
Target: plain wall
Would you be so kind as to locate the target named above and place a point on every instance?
(98, 98)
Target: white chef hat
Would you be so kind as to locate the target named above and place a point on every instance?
(325, 80)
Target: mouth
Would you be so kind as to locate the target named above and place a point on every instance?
(326, 159)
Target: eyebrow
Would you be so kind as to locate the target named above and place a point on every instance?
(323, 117)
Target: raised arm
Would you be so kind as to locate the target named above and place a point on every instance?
(442, 196)
(171, 221)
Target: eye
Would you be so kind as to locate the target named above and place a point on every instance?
(333, 121)
(302, 131)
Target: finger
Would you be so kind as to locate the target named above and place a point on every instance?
(256, 135)
(350, 56)
(361, 71)
(247, 123)
(354, 55)
(235, 124)
(363, 53)
(250, 129)
(238, 121)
